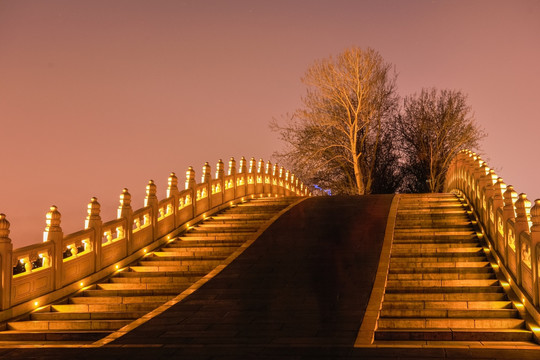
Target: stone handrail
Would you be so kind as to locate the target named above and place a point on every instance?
(41, 273)
(511, 225)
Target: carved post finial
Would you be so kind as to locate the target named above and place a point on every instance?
(125, 200)
(4, 229)
(535, 216)
(510, 198)
(172, 185)
(242, 166)
(523, 208)
(232, 166)
(53, 218)
(151, 191)
(220, 170)
(252, 165)
(206, 175)
(190, 178)
(94, 209)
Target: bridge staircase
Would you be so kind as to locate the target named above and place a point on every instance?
(441, 286)
(104, 307)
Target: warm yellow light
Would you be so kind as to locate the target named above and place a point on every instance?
(117, 266)
(81, 284)
(36, 303)
(145, 251)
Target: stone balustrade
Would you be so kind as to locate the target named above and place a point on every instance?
(511, 225)
(62, 264)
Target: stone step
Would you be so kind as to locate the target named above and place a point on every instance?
(454, 334)
(439, 247)
(120, 299)
(32, 325)
(192, 243)
(134, 292)
(221, 230)
(444, 289)
(413, 251)
(227, 226)
(441, 283)
(449, 296)
(203, 264)
(448, 305)
(442, 270)
(144, 277)
(147, 273)
(160, 256)
(394, 265)
(445, 323)
(449, 313)
(449, 258)
(225, 216)
(235, 221)
(141, 286)
(86, 308)
(186, 269)
(432, 241)
(215, 252)
(442, 276)
(47, 336)
(202, 237)
(108, 315)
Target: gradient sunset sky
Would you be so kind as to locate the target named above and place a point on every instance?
(98, 95)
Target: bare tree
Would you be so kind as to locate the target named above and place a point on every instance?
(334, 139)
(432, 127)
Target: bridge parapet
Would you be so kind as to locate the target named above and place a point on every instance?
(37, 274)
(511, 225)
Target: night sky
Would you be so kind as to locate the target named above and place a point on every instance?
(99, 95)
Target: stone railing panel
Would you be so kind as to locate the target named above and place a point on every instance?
(114, 246)
(60, 265)
(512, 226)
(33, 270)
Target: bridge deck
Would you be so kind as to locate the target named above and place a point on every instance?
(299, 291)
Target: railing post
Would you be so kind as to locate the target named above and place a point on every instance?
(6, 263)
(191, 184)
(535, 250)
(93, 221)
(172, 191)
(232, 171)
(152, 201)
(53, 232)
(523, 216)
(126, 212)
(220, 174)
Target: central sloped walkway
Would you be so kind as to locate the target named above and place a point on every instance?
(304, 283)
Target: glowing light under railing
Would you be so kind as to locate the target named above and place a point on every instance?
(117, 266)
(36, 303)
(81, 284)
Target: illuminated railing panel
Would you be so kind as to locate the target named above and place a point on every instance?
(61, 263)
(511, 224)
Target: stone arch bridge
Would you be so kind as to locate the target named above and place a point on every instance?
(249, 264)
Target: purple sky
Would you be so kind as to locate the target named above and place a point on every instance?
(98, 95)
